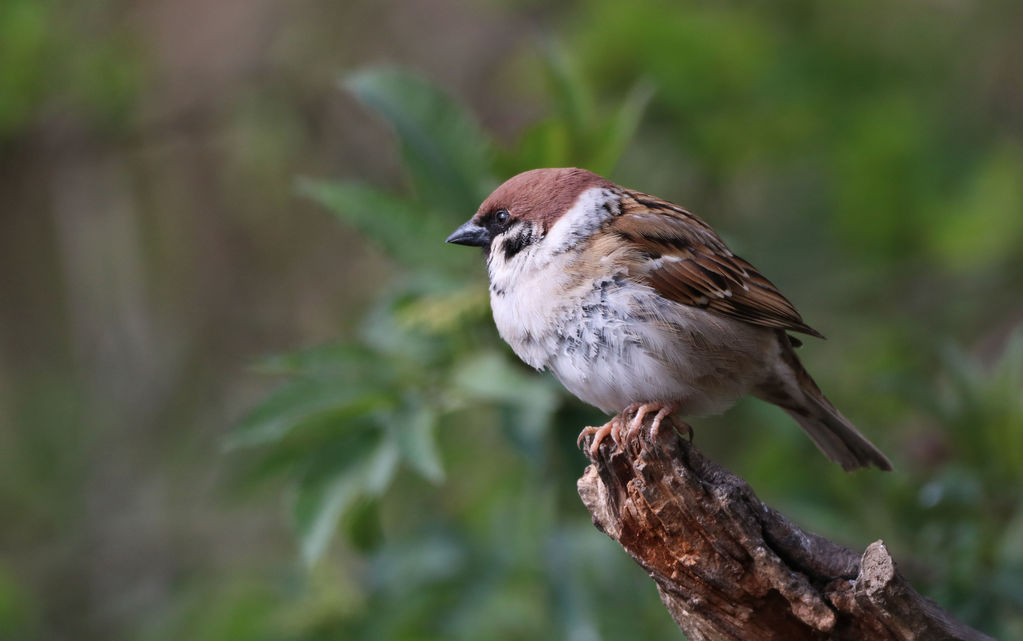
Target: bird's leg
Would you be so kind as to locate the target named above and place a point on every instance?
(641, 409)
(636, 424)
(616, 430)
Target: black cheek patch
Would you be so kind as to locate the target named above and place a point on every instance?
(518, 242)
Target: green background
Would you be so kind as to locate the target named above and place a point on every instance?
(246, 391)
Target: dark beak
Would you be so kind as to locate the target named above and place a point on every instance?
(470, 234)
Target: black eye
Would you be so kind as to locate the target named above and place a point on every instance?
(502, 216)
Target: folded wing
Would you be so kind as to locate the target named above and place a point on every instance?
(689, 264)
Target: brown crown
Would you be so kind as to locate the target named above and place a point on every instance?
(541, 195)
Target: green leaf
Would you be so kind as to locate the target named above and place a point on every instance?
(983, 409)
(18, 608)
(417, 442)
(299, 402)
(622, 128)
(333, 359)
(361, 525)
(320, 503)
(545, 144)
(445, 151)
(577, 135)
(413, 566)
(532, 399)
(983, 226)
(572, 99)
(28, 39)
(446, 312)
(304, 449)
(408, 233)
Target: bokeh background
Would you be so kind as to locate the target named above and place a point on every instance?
(246, 392)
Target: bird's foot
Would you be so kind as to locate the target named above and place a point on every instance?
(616, 431)
(664, 410)
(622, 432)
(612, 428)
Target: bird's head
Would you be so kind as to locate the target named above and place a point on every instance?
(522, 211)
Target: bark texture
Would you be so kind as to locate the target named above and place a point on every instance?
(728, 566)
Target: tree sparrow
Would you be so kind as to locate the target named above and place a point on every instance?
(637, 306)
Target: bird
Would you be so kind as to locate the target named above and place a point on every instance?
(637, 306)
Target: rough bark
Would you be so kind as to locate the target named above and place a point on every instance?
(728, 566)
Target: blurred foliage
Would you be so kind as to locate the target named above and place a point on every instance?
(17, 612)
(49, 57)
(353, 411)
(496, 559)
(866, 156)
(427, 366)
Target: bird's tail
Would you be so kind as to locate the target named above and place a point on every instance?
(794, 391)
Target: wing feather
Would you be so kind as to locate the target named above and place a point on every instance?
(688, 263)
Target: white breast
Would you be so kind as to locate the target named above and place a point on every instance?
(627, 344)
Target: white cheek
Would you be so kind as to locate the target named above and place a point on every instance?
(591, 209)
(505, 272)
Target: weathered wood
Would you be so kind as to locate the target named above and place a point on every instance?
(729, 567)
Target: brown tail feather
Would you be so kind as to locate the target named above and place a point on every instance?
(794, 391)
(839, 440)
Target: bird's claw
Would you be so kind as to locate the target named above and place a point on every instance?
(587, 431)
(612, 428)
(662, 414)
(622, 433)
(636, 424)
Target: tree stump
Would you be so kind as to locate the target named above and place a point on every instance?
(727, 566)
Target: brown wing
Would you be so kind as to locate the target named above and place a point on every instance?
(691, 265)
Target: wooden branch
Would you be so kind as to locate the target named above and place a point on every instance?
(729, 567)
